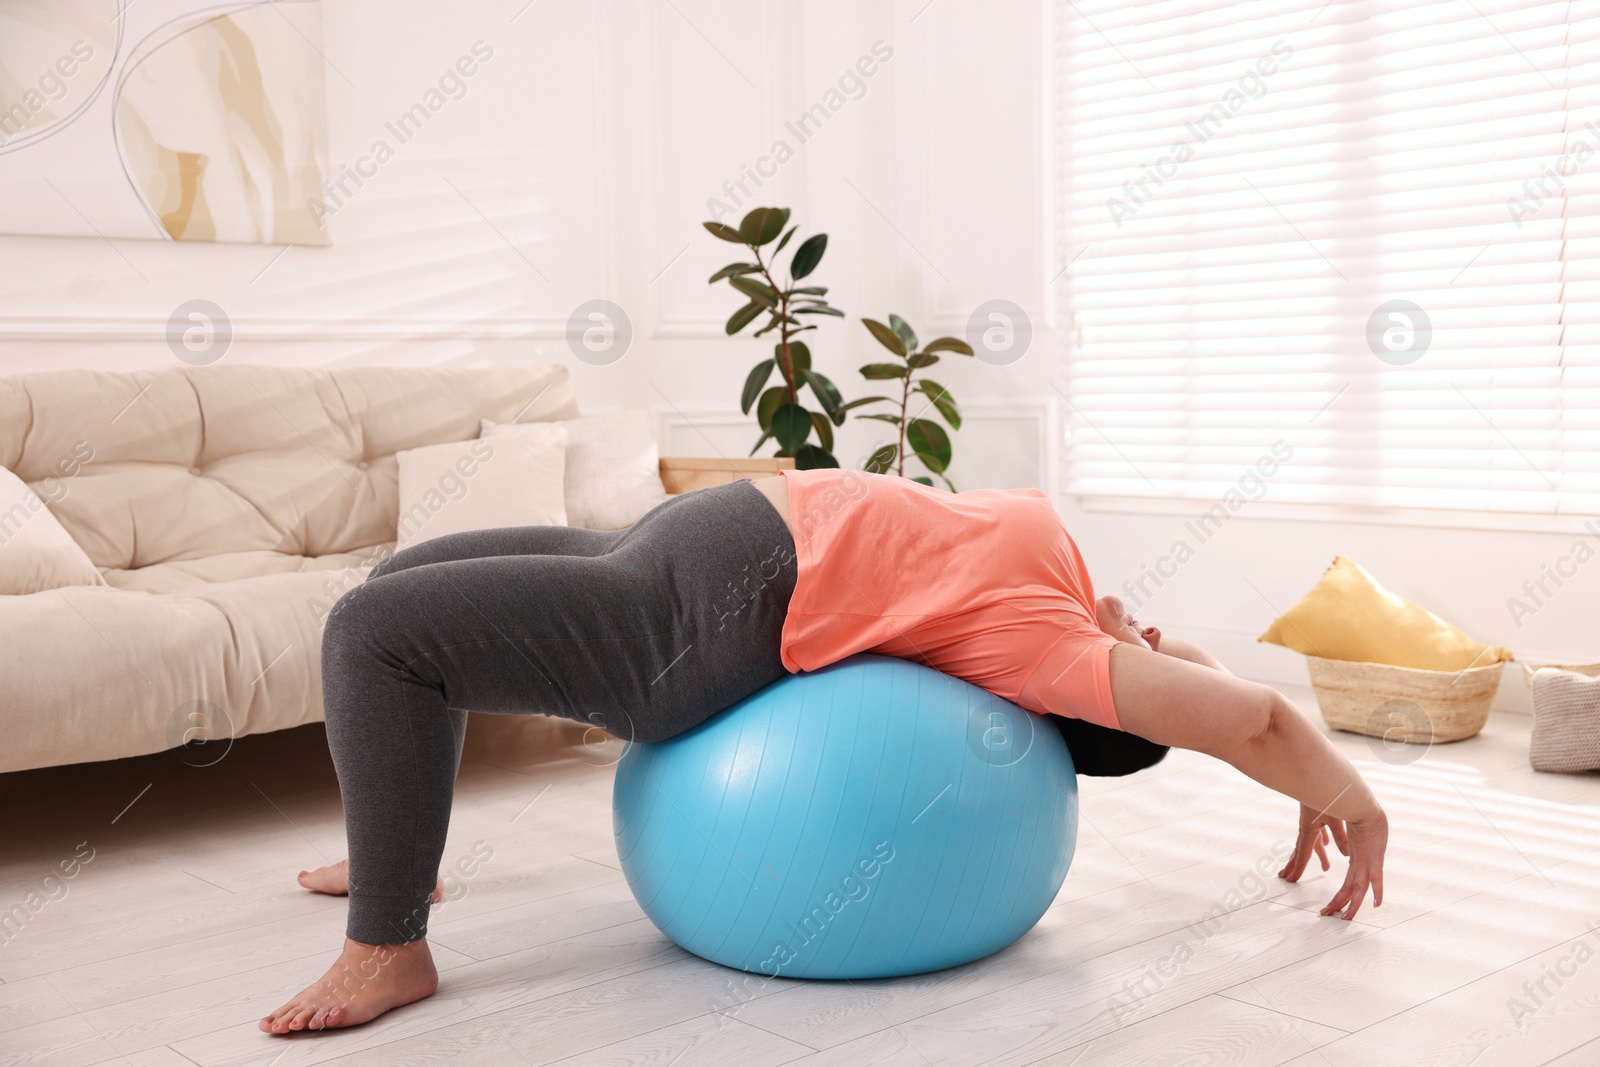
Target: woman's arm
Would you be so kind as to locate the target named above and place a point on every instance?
(1172, 701)
(1179, 648)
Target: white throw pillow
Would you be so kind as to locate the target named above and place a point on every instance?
(483, 485)
(613, 466)
(36, 552)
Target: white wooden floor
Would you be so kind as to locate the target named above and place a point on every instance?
(186, 926)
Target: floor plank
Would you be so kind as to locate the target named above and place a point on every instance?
(470, 991)
(1162, 946)
(1357, 985)
(1205, 1032)
(1079, 1003)
(712, 1040)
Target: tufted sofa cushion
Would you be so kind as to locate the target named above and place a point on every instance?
(203, 461)
(227, 508)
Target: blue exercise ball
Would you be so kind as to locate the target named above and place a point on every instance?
(871, 819)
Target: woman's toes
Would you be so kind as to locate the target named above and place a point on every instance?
(319, 1020)
(333, 879)
(335, 1015)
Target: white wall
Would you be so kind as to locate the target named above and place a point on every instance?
(1256, 565)
(590, 143)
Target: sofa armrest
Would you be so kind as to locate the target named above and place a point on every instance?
(683, 474)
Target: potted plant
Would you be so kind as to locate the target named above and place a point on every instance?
(925, 437)
(780, 409)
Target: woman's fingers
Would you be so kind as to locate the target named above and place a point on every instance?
(1365, 855)
(1354, 893)
(1336, 903)
(1358, 897)
(1340, 898)
(1297, 862)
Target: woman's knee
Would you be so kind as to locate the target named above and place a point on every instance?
(415, 556)
(364, 615)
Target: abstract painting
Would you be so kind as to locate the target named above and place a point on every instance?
(168, 119)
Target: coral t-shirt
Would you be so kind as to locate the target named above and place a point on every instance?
(985, 585)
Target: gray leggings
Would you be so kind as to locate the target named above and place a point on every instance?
(645, 632)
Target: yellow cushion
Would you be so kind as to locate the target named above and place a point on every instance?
(1347, 615)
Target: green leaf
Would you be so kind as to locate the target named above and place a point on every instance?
(810, 290)
(882, 418)
(865, 400)
(785, 240)
(921, 359)
(791, 425)
(724, 231)
(827, 395)
(743, 317)
(810, 458)
(923, 479)
(772, 323)
(881, 460)
(931, 444)
(943, 401)
(886, 337)
(752, 385)
(902, 330)
(762, 224)
(949, 344)
(835, 312)
(758, 291)
(880, 371)
(808, 255)
(765, 437)
(770, 401)
(799, 355)
(824, 428)
(731, 269)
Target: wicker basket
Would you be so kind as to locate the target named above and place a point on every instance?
(1402, 703)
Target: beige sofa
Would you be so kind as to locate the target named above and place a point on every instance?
(226, 509)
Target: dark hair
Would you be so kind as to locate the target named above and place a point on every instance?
(1102, 752)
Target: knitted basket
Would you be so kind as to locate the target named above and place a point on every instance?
(1403, 703)
(1566, 718)
(1529, 669)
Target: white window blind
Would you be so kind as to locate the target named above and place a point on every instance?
(1241, 186)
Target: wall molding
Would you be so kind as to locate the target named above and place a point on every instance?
(388, 328)
(1042, 412)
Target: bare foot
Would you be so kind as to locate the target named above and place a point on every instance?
(334, 880)
(365, 982)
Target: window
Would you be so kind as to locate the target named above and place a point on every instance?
(1364, 233)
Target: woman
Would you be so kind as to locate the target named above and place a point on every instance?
(651, 630)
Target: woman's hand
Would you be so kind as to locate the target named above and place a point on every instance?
(1362, 840)
(1172, 701)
